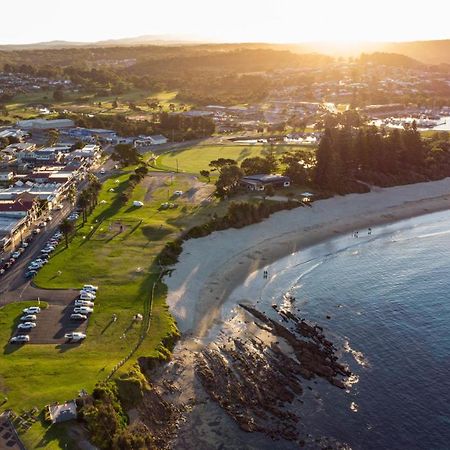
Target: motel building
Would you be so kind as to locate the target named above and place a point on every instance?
(260, 182)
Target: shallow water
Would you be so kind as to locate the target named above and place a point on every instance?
(384, 300)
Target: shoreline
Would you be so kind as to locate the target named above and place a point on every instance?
(210, 268)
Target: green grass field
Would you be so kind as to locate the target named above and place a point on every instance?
(122, 263)
(194, 159)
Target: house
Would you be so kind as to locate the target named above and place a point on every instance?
(90, 151)
(48, 194)
(15, 216)
(13, 133)
(62, 413)
(261, 181)
(144, 141)
(6, 177)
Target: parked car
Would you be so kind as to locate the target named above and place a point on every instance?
(15, 255)
(75, 336)
(78, 316)
(178, 193)
(42, 224)
(26, 326)
(49, 219)
(22, 338)
(28, 317)
(36, 231)
(30, 273)
(87, 296)
(89, 287)
(84, 303)
(59, 207)
(32, 310)
(83, 310)
(102, 171)
(2, 271)
(25, 244)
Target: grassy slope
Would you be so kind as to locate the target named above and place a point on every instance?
(194, 159)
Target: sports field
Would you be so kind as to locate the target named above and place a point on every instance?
(197, 158)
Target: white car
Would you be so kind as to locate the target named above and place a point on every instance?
(78, 316)
(20, 338)
(102, 171)
(84, 303)
(138, 203)
(15, 255)
(32, 310)
(26, 326)
(83, 310)
(178, 193)
(89, 287)
(28, 317)
(84, 295)
(75, 336)
(59, 207)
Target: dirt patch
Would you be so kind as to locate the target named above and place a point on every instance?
(154, 181)
(199, 192)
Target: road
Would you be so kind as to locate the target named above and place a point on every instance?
(13, 285)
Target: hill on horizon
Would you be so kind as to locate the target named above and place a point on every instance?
(426, 52)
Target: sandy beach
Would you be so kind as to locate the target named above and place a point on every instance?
(210, 268)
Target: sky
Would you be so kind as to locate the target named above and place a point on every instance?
(280, 21)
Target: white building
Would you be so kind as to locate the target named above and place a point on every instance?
(144, 141)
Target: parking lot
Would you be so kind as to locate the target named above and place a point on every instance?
(53, 323)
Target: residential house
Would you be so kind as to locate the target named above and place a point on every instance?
(261, 181)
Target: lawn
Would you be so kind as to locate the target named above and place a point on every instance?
(115, 250)
(194, 159)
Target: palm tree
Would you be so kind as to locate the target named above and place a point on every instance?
(66, 227)
(83, 203)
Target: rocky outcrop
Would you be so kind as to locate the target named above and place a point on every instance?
(254, 381)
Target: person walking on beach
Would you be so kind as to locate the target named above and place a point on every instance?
(369, 231)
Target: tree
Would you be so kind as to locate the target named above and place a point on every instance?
(83, 203)
(67, 228)
(228, 180)
(126, 154)
(206, 174)
(219, 164)
(256, 165)
(329, 164)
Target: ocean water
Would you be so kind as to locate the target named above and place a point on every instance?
(387, 298)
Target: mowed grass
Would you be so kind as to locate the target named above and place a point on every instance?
(197, 158)
(123, 266)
